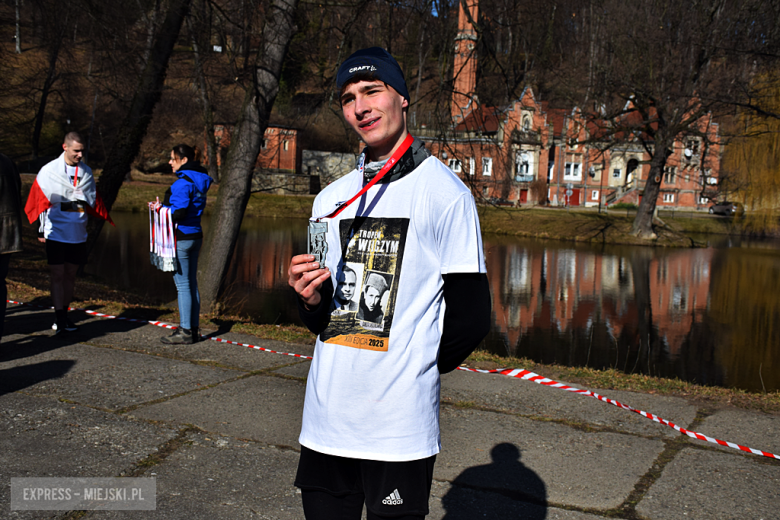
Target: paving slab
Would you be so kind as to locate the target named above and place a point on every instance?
(710, 485)
(147, 340)
(219, 478)
(300, 370)
(43, 437)
(541, 461)
(104, 377)
(266, 409)
(452, 502)
(757, 430)
(528, 398)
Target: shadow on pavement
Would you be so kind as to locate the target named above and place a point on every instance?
(505, 476)
(18, 378)
(32, 346)
(29, 319)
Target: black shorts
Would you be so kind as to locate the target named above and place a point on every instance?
(58, 253)
(390, 488)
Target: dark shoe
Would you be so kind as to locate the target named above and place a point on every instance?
(62, 323)
(179, 337)
(195, 335)
(64, 326)
(58, 331)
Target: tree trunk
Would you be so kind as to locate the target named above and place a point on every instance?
(237, 172)
(18, 30)
(133, 129)
(643, 222)
(208, 113)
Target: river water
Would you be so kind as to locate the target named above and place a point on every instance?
(709, 316)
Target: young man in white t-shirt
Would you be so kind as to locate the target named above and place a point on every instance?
(370, 430)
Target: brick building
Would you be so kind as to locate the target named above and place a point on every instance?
(529, 153)
(279, 152)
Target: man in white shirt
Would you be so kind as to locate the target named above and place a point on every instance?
(61, 198)
(410, 231)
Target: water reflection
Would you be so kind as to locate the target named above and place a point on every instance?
(703, 315)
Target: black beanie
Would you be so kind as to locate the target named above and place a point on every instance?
(377, 61)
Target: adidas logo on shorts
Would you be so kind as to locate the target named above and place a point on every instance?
(393, 499)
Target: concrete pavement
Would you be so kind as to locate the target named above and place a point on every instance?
(217, 426)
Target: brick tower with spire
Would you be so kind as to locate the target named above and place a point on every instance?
(465, 64)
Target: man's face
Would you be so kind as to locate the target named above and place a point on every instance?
(375, 111)
(74, 152)
(346, 286)
(372, 297)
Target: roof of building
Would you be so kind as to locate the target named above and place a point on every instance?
(482, 119)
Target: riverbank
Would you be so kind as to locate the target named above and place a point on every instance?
(585, 225)
(97, 295)
(27, 284)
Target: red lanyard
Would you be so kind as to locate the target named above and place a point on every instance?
(386, 168)
(76, 176)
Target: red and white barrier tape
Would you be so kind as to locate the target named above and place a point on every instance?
(518, 373)
(536, 378)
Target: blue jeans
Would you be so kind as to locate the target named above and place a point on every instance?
(186, 279)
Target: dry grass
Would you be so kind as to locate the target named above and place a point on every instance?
(615, 380)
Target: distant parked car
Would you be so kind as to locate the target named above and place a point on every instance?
(727, 208)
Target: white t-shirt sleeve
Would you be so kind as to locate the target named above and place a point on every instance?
(460, 238)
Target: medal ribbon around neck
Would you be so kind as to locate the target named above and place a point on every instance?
(75, 176)
(386, 168)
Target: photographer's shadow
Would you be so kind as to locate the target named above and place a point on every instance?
(517, 492)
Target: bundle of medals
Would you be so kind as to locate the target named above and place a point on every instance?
(162, 242)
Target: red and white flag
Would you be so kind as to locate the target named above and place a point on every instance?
(53, 186)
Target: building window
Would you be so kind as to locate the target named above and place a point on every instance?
(286, 145)
(668, 197)
(670, 174)
(693, 146)
(594, 195)
(485, 191)
(264, 146)
(616, 173)
(572, 171)
(454, 165)
(550, 170)
(703, 200)
(527, 124)
(472, 165)
(487, 166)
(523, 163)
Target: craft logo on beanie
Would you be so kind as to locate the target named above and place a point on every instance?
(376, 61)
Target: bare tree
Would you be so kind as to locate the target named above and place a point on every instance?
(245, 143)
(656, 83)
(203, 92)
(136, 121)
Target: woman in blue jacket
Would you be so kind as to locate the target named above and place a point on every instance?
(187, 199)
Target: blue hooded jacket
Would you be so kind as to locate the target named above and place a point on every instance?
(187, 199)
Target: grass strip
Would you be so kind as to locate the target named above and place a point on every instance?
(611, 379)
